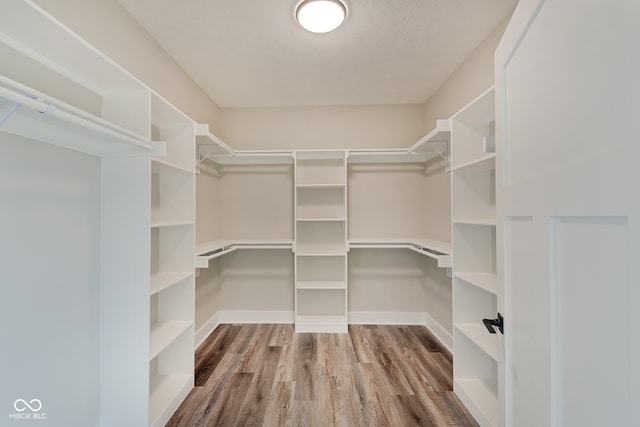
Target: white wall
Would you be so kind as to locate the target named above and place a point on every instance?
(472, 78)
(108, 26)
(364, 126)
(49, 280)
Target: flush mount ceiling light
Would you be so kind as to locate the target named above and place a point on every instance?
(321, 16)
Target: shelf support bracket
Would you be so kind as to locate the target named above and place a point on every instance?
(200, 158)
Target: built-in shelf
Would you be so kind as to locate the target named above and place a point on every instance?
(165, 392)
(485, 281)
(170, 224)
(42, 118)
(162, 281)
(486, 162)
(434, 144)
(160, 163)
(480, 399)
(320, 249)
(479, 335)
(476, 221)
(216, 248)
(57, 89)
(210, 147)
(473, 211)
(388, 156)
(164, 333)
(321, 219)
(321, 285)
(440, 251)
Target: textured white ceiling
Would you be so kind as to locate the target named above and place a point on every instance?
(252, 53)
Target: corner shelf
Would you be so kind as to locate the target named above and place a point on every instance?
(210, 147)
(440, 251)
(217, 248)
(434, 144)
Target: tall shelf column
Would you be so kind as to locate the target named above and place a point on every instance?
(474, 258)
(172, 262)
(321, 241)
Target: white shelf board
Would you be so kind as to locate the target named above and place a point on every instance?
(166, 394)
(208, 144)
(162, 281)
(328, 154)
(321, 219)
(479, 399)
(422, 246)
(388, 156)
(223, 247)
(54, 122)
(476, 221)
(321, 285)
(269, 244)
(212, 245)
(320, 186)
(29, 29)
(240, 158)
(481, 337)
(485, 281)
(162, 163)
(436, 140)
(170, 223)
(213, 148)
(320, 252)
(163, 334)
(483, 163)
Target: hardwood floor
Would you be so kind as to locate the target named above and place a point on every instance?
(267, 375)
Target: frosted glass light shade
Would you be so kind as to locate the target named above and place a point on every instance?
(321, 16)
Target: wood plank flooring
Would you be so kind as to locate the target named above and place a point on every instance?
(267, 375)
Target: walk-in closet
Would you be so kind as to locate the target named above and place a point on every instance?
(212, 215)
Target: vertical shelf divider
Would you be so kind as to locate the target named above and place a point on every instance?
(320, 246)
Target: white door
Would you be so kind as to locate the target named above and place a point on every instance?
(568, 185)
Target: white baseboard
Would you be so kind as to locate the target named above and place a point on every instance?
(386, 318)
(355, 318)
(403, 318)
(444, 336)
(256, 317)
(205, 330)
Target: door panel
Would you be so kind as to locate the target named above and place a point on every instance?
(528, 394)
(591, 305)
(568, 208)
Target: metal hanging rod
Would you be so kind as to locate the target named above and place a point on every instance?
(51, 110)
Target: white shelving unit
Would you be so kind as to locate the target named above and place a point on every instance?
(172, 292)
(320, 241)
(57, 89)
(433, 144)
(473, 201)
(210, 147)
